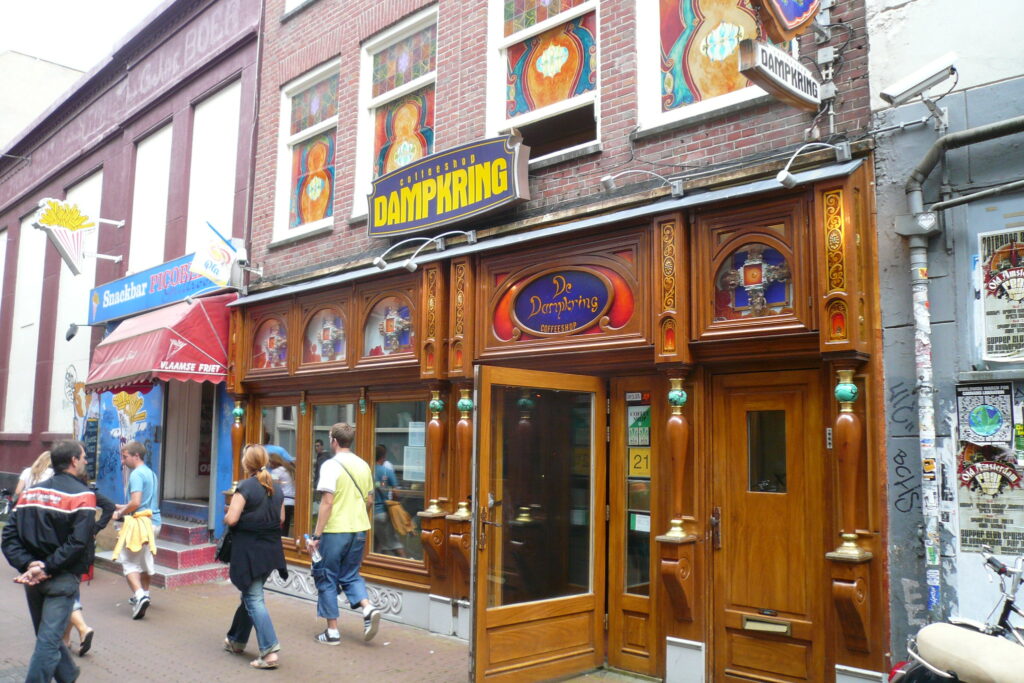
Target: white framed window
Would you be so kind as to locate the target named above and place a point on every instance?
(306, 154)
(28, 297)
(214, 165)
(397, 74)
(149, 200)
(688, 59)
(542, 73)
(68, 398)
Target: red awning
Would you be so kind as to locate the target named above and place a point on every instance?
(184, 341)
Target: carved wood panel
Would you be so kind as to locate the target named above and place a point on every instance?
(433, 341)
(671, 303)
(460, 315)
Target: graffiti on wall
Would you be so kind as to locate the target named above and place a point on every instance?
(125, 417)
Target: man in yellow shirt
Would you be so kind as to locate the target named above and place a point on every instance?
(346, 488)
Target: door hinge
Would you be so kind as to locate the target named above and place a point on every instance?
(607, 513)
(607, 434)
(606, 622)
(608, 406)
(828, 438)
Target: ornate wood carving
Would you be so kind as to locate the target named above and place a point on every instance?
(434, 304)
(841, 289)
(676, 569)
(850, 595)
(460, 345)
(848, 436)
(672, 307)
(460, 541)
(435, 542)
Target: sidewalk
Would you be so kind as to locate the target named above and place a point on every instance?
(181, 637)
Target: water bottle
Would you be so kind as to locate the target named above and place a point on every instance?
(314, 554)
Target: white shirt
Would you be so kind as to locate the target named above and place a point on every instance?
(26, 476)
(284, 478)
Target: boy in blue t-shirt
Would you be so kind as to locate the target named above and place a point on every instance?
(138, 563)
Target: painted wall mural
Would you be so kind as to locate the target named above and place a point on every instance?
(125, 417)
(755, 280)
(563, 302)
(553, 66)
(388, 328)
(270, 344)
(700, 48)
(403, 131)
(325, 337)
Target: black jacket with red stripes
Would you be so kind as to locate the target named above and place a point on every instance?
(53, 522)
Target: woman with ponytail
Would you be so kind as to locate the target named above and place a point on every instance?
(255, 516)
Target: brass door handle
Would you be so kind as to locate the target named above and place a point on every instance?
(716, 528)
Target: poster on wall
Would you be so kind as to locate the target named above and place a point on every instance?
(1001, 259)
(991, 499)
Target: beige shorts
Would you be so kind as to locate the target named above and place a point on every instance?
(142, 561)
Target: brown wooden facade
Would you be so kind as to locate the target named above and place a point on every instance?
(774, 562)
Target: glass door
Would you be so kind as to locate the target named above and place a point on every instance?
(540, 500)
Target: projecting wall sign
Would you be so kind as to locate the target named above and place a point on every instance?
(780, 74)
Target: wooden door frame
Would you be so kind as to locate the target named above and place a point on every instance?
(502, 616)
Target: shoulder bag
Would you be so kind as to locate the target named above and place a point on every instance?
(224, 547)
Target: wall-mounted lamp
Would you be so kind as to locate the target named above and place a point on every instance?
(73, 330)
(437, 240)
(608, 182)
(788, 180)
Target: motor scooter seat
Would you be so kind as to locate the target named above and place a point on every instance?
(974, 657)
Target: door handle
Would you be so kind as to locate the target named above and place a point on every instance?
(484, 521)
(716, 528)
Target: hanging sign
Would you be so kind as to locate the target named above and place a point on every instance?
(780, 74)
(1001, 255)
(444, 188)
(783, 20)
(65, 226)
(215, 258)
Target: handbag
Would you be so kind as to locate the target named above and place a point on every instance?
(224, 547)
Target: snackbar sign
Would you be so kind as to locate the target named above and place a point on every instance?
(781, 75)
(450, 186)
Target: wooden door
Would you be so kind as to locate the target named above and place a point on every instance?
(540, 514)
(767, 464)
(633, 498)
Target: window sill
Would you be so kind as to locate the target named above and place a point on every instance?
(292, 239)
(699, 119)
(556, 158)
(298, 9)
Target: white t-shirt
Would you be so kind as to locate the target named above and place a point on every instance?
(26, 476)
(284, 478)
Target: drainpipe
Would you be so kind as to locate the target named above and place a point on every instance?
(918, 228)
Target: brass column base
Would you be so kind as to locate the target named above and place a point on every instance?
(849, 551)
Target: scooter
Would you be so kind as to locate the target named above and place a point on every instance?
(968, 650)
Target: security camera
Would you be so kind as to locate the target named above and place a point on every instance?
(242, 262)
(916, 83)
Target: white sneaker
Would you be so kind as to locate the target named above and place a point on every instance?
(139, 610)
(371, 622)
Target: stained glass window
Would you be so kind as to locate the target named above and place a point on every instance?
(312, 196)
(270, 345)
(522, 14)
(755, 280)
(403, 130)
(404, 61)
(700, 48)
(556, 65)
(316, 103)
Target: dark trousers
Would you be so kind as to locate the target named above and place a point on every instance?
(49, 604)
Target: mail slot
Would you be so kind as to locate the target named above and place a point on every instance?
(781, 628)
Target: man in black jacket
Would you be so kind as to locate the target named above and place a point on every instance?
(48, 538)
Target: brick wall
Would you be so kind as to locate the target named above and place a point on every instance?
(323, 30)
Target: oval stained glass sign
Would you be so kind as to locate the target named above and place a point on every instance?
(566, 301)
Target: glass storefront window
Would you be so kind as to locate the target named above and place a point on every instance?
(279, 432)
(638, 494)
(324, 417)
(399, 473)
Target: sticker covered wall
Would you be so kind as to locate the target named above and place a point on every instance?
(125, 417)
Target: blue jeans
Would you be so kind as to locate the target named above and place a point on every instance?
(49, 604)
(339, 567)
(252, 612)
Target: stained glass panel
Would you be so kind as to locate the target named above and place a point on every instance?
(754, 281)
(403, 131)
(700, 48)
(312, 195)
(270, 344)
(315, 104)
(325, 337)
(522, 14)
(406, 60)
(552, 66)
(388, 328)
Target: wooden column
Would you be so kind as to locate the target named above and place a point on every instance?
(432, 524)
(460, 523)
(848, 437)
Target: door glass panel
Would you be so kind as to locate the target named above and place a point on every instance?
(766, 450)
(539, 538)
(399, 473)
(324, 417)
(279, 423)
(638, 494)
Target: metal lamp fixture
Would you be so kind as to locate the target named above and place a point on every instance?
(73, 330)
(788, 180)
(437, 240)
(608, 182)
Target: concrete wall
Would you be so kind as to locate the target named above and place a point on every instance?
(955, 354)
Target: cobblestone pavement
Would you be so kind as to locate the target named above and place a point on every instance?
(181, 637)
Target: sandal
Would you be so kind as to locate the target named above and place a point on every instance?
(86, 643)
(261, 663)
(233, 647)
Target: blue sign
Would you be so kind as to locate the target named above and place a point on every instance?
(450, 186)
(566, 301)
(165, 284)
